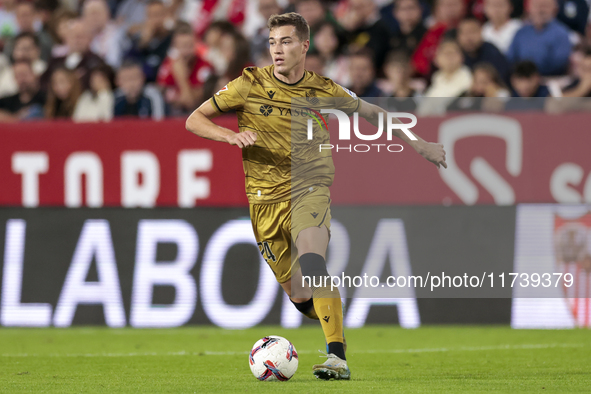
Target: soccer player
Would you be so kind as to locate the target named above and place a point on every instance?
(284, 210)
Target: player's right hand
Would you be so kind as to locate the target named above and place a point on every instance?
(243, 139)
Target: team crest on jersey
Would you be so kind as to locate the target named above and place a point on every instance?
(222, 89)
(311, 97)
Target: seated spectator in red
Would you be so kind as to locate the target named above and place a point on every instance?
(447, 15)
(183, 74)
(409, 15)
(545, 41)
(96, 103)
(500, 28)
(151, 41)
(133, 97)
(581, 86)
(62, 94)
(363, 76)
(330, 46)
(79, 58)
(27, 21)
(28, 102)
(476, 51)
(107, 35)
(363, 21)
(26, 48)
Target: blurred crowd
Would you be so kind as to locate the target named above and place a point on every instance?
(94, 60)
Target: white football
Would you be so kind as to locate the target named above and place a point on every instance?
(273, 358)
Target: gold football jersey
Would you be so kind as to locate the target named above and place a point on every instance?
(283, 162)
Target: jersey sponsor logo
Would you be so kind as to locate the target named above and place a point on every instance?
(222, 89)
(271, 94)
(266, 110)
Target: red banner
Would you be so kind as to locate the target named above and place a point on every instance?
(493, 159)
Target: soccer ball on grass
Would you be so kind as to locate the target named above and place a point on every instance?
(273, 358)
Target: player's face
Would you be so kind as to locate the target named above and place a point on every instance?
(286, 48)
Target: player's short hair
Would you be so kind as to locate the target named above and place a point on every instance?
(525, 69)
(291, 19)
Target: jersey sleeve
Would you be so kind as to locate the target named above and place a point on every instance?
(233, 95)
(345, 100)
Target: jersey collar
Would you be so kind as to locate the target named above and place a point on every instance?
(285, 83)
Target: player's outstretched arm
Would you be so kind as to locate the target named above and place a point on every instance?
(429, 150)
(199, 123)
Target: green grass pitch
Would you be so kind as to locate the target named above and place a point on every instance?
(385, 359)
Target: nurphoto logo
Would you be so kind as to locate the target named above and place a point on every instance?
(345, 130)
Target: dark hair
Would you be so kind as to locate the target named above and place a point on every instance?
(398, 57)
(27, 34)
(363, 52)
(57, 16)
(183, 28)
(525, 69)
(587, 51)
(155, 2)
(470, 19)
(291, 19)
(492, 72)
(223, 26)
(22, 61)
(130, 63)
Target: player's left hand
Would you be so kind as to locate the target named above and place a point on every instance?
(434, 153)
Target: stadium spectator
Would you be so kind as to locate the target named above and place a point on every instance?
(107, 35)
(487, 93)
(574, 14)
(330, 46)
(28, 22)
(62, 94)
(183, 73)
(363, 21)
(398, 71)
(234, 50)
(447, 15)
(96, 103)
(215, 37)
(150, 43)
(545, 41)
(8, 24)
(133, 97)
(500, 28)
(363, 79)
(259, 42)
(28, 102)
(526, 81)
(314, 62)
(477, 51)
(411, 30)
(26, 48)
(133, 13)
(79, 57)
(58, 30)
(451, 80)
(453, 77)
(581, 86)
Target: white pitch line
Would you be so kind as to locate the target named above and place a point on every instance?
(380, 351)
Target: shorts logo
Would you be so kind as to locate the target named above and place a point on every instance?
(271, 94)
(314, 214)
(266, 110)
(326, 318)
